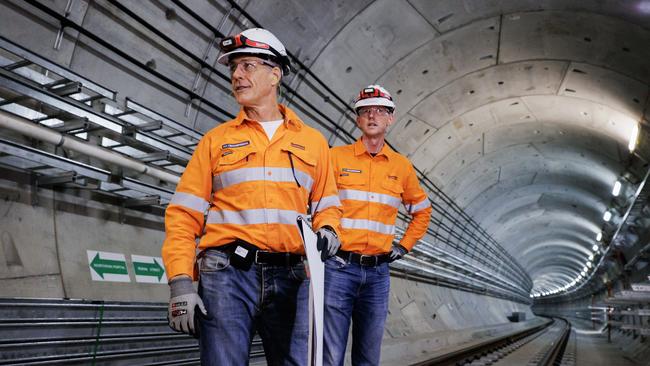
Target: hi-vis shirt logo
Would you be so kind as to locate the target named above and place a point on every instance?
(351, 170)
(235, 145)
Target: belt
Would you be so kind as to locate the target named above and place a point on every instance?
(262, 256)
(277, 259)
(362, 259)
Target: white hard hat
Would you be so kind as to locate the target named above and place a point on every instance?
(255, 41)
(374, 95)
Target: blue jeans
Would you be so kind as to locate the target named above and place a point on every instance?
(273, 300)
(359, 294)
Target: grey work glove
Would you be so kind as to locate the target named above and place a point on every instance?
(397, 252)
(183, 304)
(328, 243)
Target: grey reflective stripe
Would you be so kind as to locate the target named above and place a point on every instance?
(254, 216)
(368, 225)
(419, 206)
(242, 175)
(190, 201)
(325, 202)
(353, 194)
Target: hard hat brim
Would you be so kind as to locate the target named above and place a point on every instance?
(225, 58)
(374, 101)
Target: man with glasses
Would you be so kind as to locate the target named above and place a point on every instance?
(241, 193)
(373, 180)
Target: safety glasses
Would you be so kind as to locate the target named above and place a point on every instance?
(375, 110)
(249, 66)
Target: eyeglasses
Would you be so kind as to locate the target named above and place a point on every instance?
(377, 111)
(249, 66)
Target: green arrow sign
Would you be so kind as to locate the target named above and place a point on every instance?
(104, 266)
(149, 269)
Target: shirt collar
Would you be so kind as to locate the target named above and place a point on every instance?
(291, 120)
(360, 149)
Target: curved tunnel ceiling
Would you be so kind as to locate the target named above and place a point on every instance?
(520, 110)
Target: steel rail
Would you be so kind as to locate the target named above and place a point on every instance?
(467, 354)
(554, 355)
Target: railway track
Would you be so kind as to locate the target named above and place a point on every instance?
(543, 345)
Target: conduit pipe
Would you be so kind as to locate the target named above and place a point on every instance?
(26, 127)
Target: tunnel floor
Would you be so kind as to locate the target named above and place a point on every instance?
(593, 348)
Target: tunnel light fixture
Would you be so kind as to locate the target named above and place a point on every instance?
(589, 264)
(607, 216)
(633, 138)
(595, 248)
(591, 257)
(617, 189)
(599, 236)
(585, 269)
(644, 7)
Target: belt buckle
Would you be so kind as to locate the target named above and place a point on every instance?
(368, 256)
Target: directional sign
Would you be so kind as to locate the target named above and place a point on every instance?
(148, 269)
(106, 266)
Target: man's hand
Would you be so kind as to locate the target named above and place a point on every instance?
(328, 243)
(397, 252)
(183, 305)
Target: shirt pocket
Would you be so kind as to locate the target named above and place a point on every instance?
(304, 157)
(230, 171)
(303, 165)
(233, 159)
(345, 178)
(393, 186)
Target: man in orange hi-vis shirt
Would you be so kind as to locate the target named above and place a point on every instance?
(373, 180)
(241, 193)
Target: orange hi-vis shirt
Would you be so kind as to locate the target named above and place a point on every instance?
(253, 189)
(371, 190)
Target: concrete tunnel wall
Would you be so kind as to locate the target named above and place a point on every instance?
(490, 107)
(524, 102)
